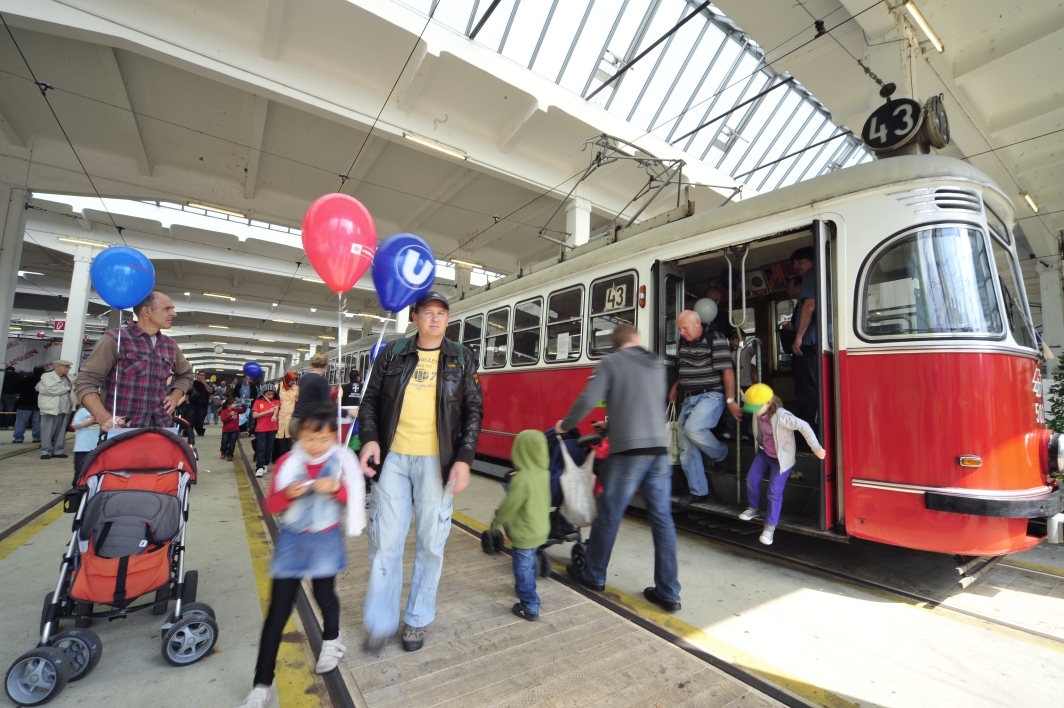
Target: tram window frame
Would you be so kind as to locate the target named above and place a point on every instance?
(632, 294)
(579, 320)
(476, 346)
(997, 226)
(456, 323)
(523, 332)
(674, 286)
(1026, 326)
(494, 351)
(868, 266)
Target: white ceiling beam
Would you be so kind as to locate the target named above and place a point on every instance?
(513, 133)
(1048, 107)
(1039, 39)
(258, 128)
(364, 160)
(1038, 160)
(459, 181)
(178, 272)
(271, 32)
(535, 217)
(416, 77)
(9, 134)
(126, 116)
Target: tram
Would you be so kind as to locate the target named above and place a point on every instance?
(930, 402)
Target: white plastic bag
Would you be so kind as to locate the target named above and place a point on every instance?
(578, 489)
(673, 429)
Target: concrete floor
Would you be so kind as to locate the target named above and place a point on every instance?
(132, 671)
(858, 647)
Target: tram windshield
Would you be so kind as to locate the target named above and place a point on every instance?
(1019, 323)
(934, 282)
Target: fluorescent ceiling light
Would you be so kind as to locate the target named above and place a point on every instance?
(218, 326)
(221, 295)
(313, 309)
(1030, 201)
(368, 314)
(325, 336)
(435, 145)
(349, 314)
(24, 320)
(84, 242)
(24, 273)
(267, 340)
(224, 344)
(923, 25)
(220, 210)
(284, 321)
(256, 351)
(314, 280)
(15, 329)
(273, 304)
(300, 349)
(471, 264)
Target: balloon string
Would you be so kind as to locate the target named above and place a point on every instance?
(340, 365)
(365, 384)
(114, 405)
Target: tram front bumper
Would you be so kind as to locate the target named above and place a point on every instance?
(1034, 507)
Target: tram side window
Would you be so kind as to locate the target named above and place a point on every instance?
(1012, 294)
(496, 338)
(471, 338)
(931, 282)
(454, 331)
(612, 304)
(527, 318)
(565, 311)
(673, 306)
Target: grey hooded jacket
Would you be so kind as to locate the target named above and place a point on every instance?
(632, 381)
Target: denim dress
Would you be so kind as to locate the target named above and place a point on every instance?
(302, 550)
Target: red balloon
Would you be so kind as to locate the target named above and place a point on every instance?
(340, 240)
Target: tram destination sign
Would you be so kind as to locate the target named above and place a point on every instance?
(892, 125)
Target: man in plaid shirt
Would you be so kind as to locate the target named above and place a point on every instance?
(140, 375)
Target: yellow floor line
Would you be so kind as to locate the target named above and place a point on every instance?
(1027, 565)
(10, 544)
(706, 641)
(293, 680)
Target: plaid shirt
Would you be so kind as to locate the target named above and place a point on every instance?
(140, 372)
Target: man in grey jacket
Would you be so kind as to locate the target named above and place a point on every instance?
(632, 381)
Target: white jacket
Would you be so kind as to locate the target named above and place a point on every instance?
(784, 423)
(54, 394)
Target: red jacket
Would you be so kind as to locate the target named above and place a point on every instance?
(231, 419)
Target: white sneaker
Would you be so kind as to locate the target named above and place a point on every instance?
(260, 472)
(749, 514)
(331, 651)
(767, 534)
(258, 698)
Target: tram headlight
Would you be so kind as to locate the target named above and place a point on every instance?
(1056, 456)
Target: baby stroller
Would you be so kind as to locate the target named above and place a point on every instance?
(579, 449)
(131, 508)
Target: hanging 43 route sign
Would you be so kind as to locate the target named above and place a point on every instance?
(892, 125)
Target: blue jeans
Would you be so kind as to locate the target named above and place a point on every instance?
(21, 420)
(624, 474)
(698, 416)
(9, 400)
(406, 483)
(525, 579)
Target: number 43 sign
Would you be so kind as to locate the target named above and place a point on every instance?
(892, 125)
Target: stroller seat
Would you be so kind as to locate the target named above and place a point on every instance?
(130, 522)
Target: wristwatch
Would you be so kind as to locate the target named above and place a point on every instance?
(730, 401)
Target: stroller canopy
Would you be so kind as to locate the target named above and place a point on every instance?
(148, 450)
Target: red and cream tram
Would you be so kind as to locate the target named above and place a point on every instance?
(931, 398)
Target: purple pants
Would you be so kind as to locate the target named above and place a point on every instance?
(764, 464)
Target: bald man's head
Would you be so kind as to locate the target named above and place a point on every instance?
(689, 324)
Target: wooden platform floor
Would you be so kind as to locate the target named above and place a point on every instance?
(477, 653)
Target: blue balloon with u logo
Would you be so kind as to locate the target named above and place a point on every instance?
(122, 276)
(252, 370)
(403, 270)
(377, 349)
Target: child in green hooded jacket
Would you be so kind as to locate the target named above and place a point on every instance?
(525, 514)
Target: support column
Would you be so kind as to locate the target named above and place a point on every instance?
(313, 350)
(77, 304)
(1049, 281)
(341, 335)
(114, 319)
(402, 320)
(462, 275)
(577, 220)
(13, 225)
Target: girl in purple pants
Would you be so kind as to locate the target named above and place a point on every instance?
(774, 428)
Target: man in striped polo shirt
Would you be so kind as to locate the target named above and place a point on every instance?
(706, 386)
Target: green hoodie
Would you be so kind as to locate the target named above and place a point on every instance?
(525, 513)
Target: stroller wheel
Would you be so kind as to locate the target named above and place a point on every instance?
(37, 676)
(491, 541)
(83, 649)
(543, 563)
(190, 639)
(579, 554)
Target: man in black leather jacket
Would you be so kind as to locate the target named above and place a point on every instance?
(420, 415)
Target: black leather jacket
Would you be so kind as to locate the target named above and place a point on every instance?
(458, 401)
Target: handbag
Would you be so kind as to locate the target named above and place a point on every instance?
(673, 429)
(578, 494)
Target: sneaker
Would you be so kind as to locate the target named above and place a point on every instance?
(374, 643)
(689, 499)
(61, 455)
(229, 458)
(259, 473)
(331, 651)
(519, 610)
(413, 638)
(46, 456)
(749, 514)
(223, 455)
(767, 534)
(577, 574)
(651, 594)
(258, 698)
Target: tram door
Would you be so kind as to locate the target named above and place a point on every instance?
(669, 302)
(825, 428)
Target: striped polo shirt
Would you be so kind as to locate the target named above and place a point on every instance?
(703, 361)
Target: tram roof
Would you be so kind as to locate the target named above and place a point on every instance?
(911, 169)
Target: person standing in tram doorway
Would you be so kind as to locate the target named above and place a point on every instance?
(806, 358)
(420, 420)
(706, 387)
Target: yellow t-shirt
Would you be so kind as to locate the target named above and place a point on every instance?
(416, 433)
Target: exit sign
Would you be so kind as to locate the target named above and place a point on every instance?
(59, 326)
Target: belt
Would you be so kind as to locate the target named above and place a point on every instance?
(688, 394)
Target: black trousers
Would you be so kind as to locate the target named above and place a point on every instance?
(199, 413)
(806, 376)
(264, 448)
(282, 598)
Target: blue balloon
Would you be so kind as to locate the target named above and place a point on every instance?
(403, 270)
(122, 276)
(252, 369)
(377, 349)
